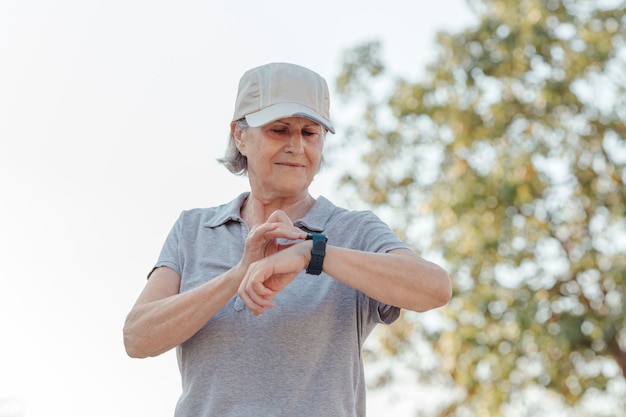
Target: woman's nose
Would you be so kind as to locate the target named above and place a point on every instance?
(295, 143)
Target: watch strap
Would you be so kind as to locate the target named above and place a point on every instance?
(318, 252)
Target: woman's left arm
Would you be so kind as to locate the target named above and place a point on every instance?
(399, 277)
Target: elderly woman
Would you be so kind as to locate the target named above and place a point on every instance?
(269, 298)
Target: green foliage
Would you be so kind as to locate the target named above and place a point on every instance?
(509, 160)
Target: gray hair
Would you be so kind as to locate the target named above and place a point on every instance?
(235, 162)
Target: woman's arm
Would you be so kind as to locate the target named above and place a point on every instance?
(163, 318)
(400, 277)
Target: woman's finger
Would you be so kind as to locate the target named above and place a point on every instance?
(253, 292)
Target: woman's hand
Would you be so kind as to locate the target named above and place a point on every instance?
(263, 240)
(268, 276)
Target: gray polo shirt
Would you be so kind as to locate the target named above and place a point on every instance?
(302, 358)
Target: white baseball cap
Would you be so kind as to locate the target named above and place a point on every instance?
(278, 90)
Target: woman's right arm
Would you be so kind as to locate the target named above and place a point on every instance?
(163, 318)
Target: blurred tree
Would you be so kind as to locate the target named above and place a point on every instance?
(509, 160)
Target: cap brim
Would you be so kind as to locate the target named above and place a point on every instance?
(282, 110)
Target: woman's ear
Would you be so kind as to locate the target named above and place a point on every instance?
(237, 133)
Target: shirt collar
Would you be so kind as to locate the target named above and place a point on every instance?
(318, 216)
(315, 220)
(227, 212)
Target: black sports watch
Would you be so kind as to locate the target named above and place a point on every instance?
(318, 251)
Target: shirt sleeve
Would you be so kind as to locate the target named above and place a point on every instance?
(170, 253)
(374, 236)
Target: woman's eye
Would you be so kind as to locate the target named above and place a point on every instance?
(279, 131)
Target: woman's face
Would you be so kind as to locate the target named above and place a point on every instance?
(283, 156)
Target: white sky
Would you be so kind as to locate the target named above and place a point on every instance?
(112, 114)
